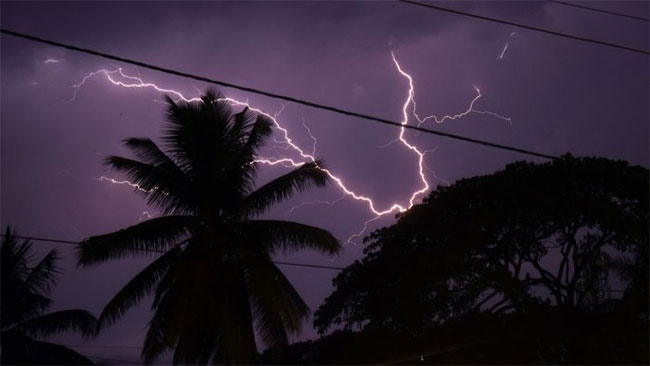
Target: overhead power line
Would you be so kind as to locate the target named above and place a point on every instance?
(70, 242)
(100, 346)
(598, 10)
(309, 265)
(275, 95)
(44, 239)
(524, 26)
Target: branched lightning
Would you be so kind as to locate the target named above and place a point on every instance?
(314, 202)
(122, 182)
(470, 109)
(129, 82)
(313, 138)
(359, 234)
(433, 173)
(411, 100)
(117, 77)
(434, 118)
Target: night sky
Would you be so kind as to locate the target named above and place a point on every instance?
(560, 95)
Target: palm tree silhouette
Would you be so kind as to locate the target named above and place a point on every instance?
(24, 300)
(215, 286)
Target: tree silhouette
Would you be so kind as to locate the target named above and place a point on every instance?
(215, 286)
(25, 291)
(527, 236)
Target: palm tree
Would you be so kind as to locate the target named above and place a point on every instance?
(24, 299)
(215, 286)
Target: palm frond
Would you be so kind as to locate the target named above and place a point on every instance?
(158, 234)
(148, 152)
(240, 123)
(277, 306)
(170, 192)
(284, 187)
(24, 290)
(43, 275)
(141, 285)
(246, 132)
(257, 133)
(161, 334)
(14, 256)
(79, 321)
(288, 235)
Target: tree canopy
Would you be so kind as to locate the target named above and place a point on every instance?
(564, 234)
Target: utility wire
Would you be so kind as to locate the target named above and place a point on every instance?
(100, 346)
(44, 239)
(309, 265)
(306, 265)
(276, 96)
(524, 26)
(70, 242)
(598, 10)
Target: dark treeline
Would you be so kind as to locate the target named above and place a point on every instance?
(544, 336)
(537, 263)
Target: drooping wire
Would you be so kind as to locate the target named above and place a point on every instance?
(70, 242)
(598, 10)
(279, 96)
(525, 26)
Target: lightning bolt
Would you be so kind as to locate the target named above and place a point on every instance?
(433, 173)
(434, 118)
(507, 44)
(122, 182)
(52, 61)
(314, 202)
(505, 48)
(405, 115)
(129, 82)
(359, 234)
(117, 77)
(470, 109)
(313, 138)
(145, 214)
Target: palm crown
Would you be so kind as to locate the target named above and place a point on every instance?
(215, 284)
(25, 297)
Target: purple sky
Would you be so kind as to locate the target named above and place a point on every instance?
(561, 95)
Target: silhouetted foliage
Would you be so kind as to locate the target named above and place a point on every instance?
(546, 335)
(514, 242)
(25, 288)
(215, 284)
